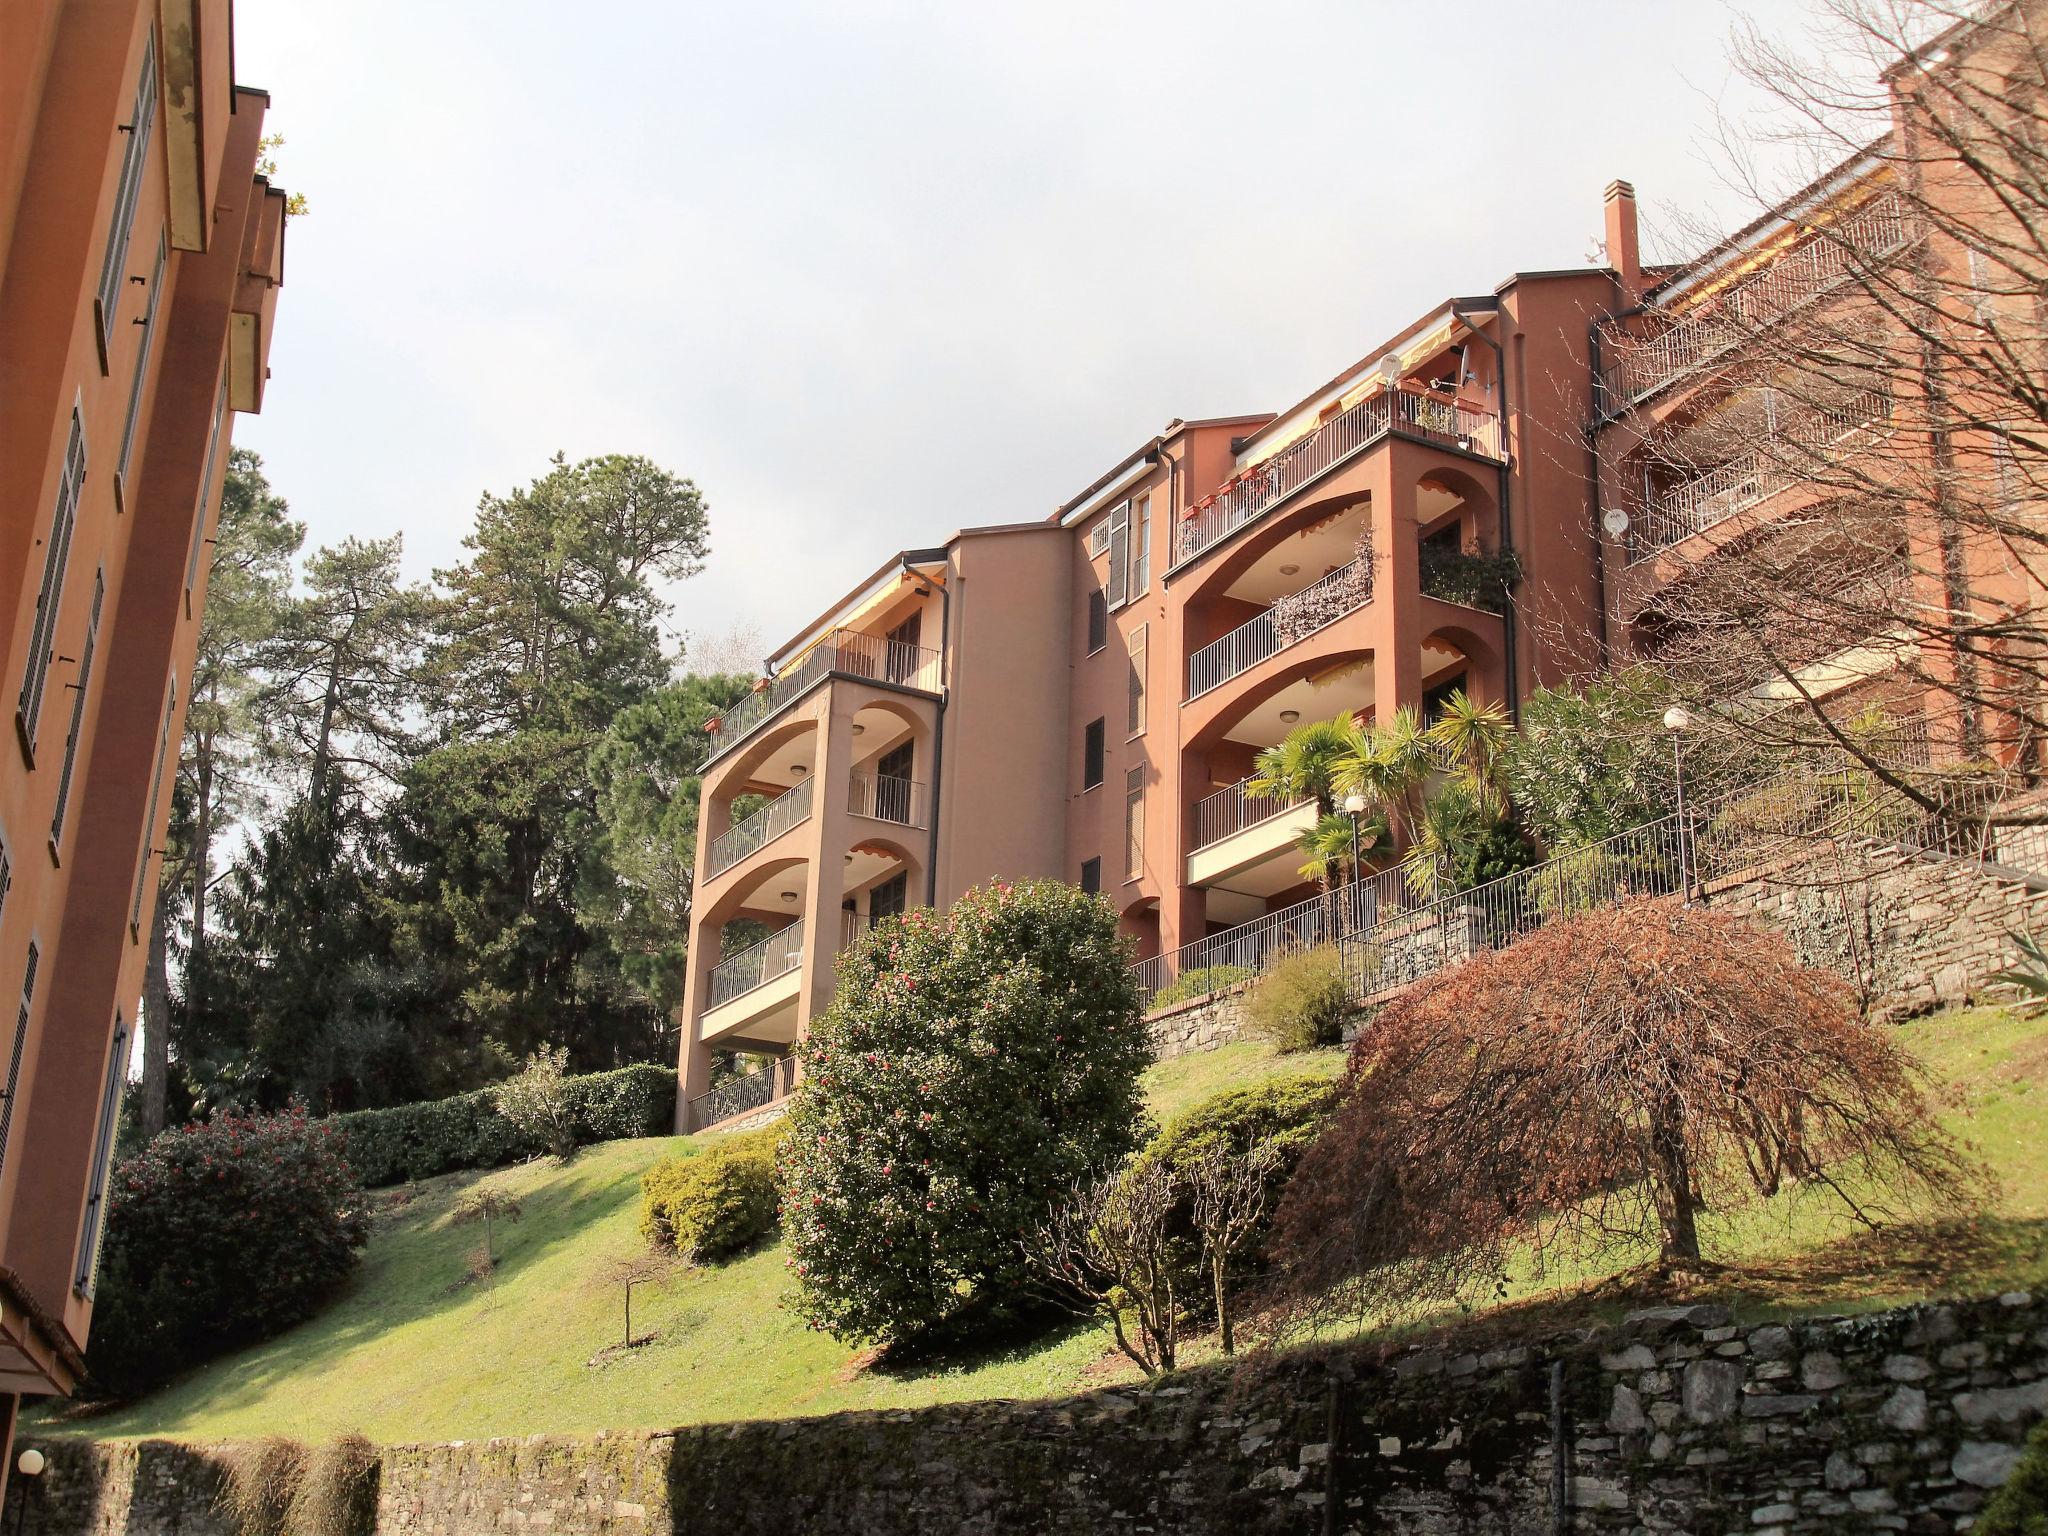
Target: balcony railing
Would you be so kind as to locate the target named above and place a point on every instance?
(1295, 617)
(758, 964)
(1231, 811)
(1641, 366)
(1344, 435)
(738, 1095)
(1791, 454)
(847, 652)
(885, 797)
(789, 809)
(852, 926)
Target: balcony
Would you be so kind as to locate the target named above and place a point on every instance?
(843, 653)
(885, 797)
(1231, 811)
(1294, 618)
(789, 809)
(757, 965)
(1790, 454)
(1341, 438)
(1640, 366)
(742, 1095)
(1247, 843)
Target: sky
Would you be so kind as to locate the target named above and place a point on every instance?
(871, 272)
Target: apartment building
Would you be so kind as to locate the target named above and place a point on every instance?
(140, 257)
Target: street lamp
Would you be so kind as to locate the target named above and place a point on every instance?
(1354, 807)
(1678, 720)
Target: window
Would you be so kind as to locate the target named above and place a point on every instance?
(892, 784)
(902, 662)
(42, 643)
(1137, 686)
(1134, 823)
(1141, 546)
(220, 414)
(889, 898)
(135, 387)
(1117, 586)
(1091, 877)
(28, 994)
(114, 264)
(1098, 540)
(79, 687)
(1098, 620)
(156, 789)
(1091, 755)
(102, 1164)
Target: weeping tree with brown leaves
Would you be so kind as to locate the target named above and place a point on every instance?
(1596, 1087)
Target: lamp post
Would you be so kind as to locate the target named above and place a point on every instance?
(1678, 720)
(30, 1465)
(1354, 807)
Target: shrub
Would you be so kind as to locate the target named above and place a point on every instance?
(1202, 981)
(418, 1141)
(2020, 1508)
(717, 1202)
(976, 1068)
(1303, 1001)
(279, 1487)
(219, 1235)
(536, 1100)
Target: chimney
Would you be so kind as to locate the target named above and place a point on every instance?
(1624, 254)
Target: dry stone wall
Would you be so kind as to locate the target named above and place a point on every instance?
(1678, 1420)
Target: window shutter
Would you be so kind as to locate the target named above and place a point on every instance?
(1116, 588)
(206, 492)
(127, 192)
(1098, 619)
(1091, 877)
(80, 686)
(135, 387)
(42, 643)
(1137, 682)
(102, 1165)
(1134, 823)
(1091, 755)
(28, 994)
(156, 788)
(1141, 548)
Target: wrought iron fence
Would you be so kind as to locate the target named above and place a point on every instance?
(790, 809)
(758, 964)
(738, 1095)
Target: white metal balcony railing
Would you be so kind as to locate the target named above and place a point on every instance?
(758, 964)
(1266, 484)
(1231, 811)
(851, 926)
(789, 809)
(885, 797)
(1640, 366)
(1790, 454)
(1294, 617)
(844, 651)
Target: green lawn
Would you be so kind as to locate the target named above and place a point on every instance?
(411, 1352)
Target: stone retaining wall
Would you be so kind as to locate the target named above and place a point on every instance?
(1676, 1421)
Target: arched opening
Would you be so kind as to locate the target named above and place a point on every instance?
(891, 773)
(1139, 922)
(883, 877)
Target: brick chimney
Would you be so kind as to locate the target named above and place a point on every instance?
(1624, 253)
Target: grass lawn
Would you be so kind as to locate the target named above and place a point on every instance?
(411, 1352)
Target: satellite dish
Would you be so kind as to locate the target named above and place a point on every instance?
(1615, 521)
(1390, 368)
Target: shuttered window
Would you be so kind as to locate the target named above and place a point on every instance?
(1134, 823)
(102, 1165)
(42, 642)
(1117, 587)
(1137, 714)
(1091, 876)
(134, 158)
(136, 385)
(1091, 755)
(156, 789)
(1141, 546)
(79, 687)
(206, 492)
(1098, 620)
(28, 994)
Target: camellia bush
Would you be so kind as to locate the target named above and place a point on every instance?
(978, 1067)
(219, 1235)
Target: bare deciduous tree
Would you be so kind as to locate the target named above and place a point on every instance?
(1109, 1252)
(1228, 1197)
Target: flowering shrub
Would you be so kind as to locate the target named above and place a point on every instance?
(536, 1100)
(219, 1235)
(978, 1067)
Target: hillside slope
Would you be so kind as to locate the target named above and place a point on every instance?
(413, 1352)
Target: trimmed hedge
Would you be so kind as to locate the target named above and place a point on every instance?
(417, 1141)
(716, 1202)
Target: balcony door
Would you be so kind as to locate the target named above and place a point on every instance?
(901, 662)
(892, 785)
(889, 898)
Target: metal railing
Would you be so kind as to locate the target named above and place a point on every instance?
(789, 809)
(1794, 452)
(738, 1095)
(1642, 365)
(885, 797)
(1273, 480)
(845, 651)
(757, 965)
(1293, 618)
(1230, 811)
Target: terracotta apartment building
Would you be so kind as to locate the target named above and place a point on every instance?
(140, 256)
(1082, 697)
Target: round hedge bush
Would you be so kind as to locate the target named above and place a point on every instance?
(976, 1068)
(716, 1202)
(219, 1235)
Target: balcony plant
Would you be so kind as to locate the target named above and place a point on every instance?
(1323, 602)
(1471, 579)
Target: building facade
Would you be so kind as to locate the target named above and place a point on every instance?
(140, 257)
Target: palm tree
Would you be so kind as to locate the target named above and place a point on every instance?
(1304, 765)
(1476, 737)
(1390, 765)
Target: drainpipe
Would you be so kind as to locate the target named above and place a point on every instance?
(1593, 327)
(1507, 527)
(931, 867)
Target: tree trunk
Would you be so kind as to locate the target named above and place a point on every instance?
(1676, 1207)
(156, 1023)
(202, 865)
(1218, 1264)
(320, 744)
